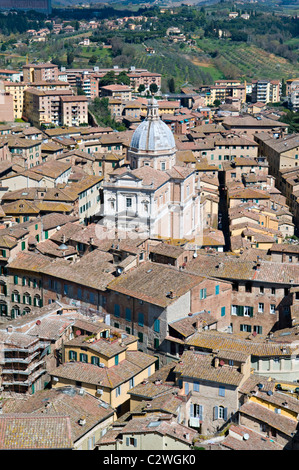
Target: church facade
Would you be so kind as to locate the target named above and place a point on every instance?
(154, 197)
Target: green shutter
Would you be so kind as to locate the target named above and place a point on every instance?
(251, 311)
(240, 310)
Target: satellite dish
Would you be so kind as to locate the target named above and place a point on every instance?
(246, 437)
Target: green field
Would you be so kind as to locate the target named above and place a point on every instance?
(243, 60)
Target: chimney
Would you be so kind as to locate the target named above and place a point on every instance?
(216, 362)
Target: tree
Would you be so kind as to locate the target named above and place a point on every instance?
(70, 58)
(123, 79)
(108, 79)
(153, 88)
(141, 88)
(171, 85)
(93, 60)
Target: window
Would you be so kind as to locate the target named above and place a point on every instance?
(83, 357)
(273, 290)
(23, 245)
(257, 329)
(140, 337)
(157, 325)
(130, 441)
(131, 382)
(272, 308)
(156, 343)
(140, 319)
(128, 202)
(95, 360)
(261, 307)
(203, 293)
(217, 290)
(222, 311)
(234, 309)
(163, 166)
(246, 311)
(15, 280)
(196, 386)
(128, 314)
(247, 287)
(116, 310)
(246, 328)
(72, 355)
(26, 299)
(116, 359)
(117, 391)
(261, 289)
(221, 391)
(65, 289)
(37, 301)
(221, 412)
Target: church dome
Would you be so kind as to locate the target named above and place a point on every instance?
(153, 135)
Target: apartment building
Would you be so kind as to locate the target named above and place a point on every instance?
(74, 110)
(266, 91)
(87, 420)
(58, 107)
(26, 150)
(105, 362)
(16, 89)
(40, 72)
(122, 92)
(144, 78)
(282, 153)
(223, 89)
(260, 290)
(6, 107)
(22, 362)
(148, 298)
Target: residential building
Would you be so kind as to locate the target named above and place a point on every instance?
(260, 299)
(157, 432)
(88, 418)
(40, 72)
(266, 91)
(148, 298)
(89, 359)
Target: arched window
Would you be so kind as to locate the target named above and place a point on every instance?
(37, 301)
(27, 299)
(15, 311)
(15, 296)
